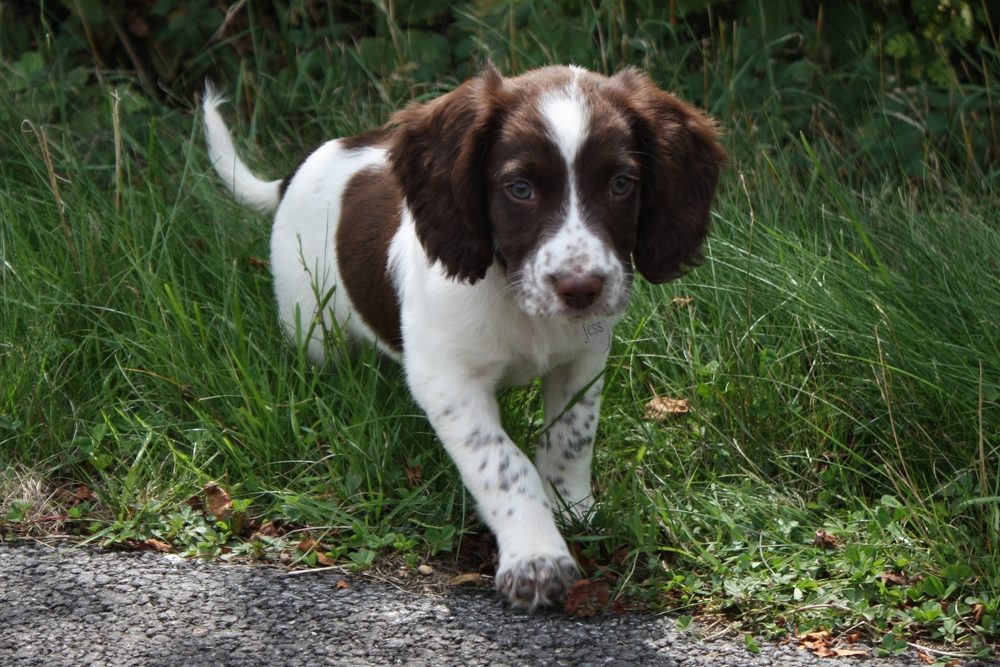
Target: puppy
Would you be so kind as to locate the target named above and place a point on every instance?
(485, 239)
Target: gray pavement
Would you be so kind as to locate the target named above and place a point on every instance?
(65, 606)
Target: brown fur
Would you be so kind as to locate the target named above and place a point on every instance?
(438, 156)
(681, 162)
(371, 207)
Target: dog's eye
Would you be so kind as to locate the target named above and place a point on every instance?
(521, 190)
(621, 185)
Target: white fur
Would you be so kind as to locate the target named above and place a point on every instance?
(246, 188)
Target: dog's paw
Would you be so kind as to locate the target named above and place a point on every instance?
(540, 581)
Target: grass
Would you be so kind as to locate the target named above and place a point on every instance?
(838, 349)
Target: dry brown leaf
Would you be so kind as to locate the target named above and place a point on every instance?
(925, 658)
(342, 584)
(195, 502)
(662, 408)
(257, 264)
(414, 475)
(819, 642)
(681, 301)
(977, 612)
(825, 540)
(158, 545)
(849, 652)
(219, 503)
(585, 598)
(467, 579)
(310, 545)
(816, 640)
(893, 579)
(268, 529)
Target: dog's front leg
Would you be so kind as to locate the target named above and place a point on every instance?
(535, 564)
(572, 395)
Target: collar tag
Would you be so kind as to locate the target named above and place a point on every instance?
(595, 335)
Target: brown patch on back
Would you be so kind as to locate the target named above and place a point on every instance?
(370, 218)
(376, 137)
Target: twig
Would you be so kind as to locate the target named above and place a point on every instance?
(316, 570)
(886, 388)
(230, 15)
(116, 122)
(827, 605)
(43, 144)
(927, 649)
(982, 438)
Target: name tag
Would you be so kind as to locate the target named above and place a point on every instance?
(596, 336)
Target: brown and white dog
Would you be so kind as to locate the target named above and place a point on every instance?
(485, 239)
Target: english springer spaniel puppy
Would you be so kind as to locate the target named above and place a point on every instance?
(484, 239)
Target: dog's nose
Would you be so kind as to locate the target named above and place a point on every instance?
(578, 291)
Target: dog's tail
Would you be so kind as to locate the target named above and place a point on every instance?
(246, 188)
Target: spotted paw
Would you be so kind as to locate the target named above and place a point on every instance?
(537, 582)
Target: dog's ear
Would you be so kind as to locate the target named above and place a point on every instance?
(439, 158)
(681, 158)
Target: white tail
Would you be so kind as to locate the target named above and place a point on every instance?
(246, 188)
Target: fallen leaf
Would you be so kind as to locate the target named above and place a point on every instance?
(468, 579)
(849, 652)
(585, 598)
(620, 556)
(195, 502)
(587, 563)
(819, 642)
(925, 658)
(268, 529)
(219, 503)
(893, 579)
(816, 640)
(312, 546)
(977, 612)
(825, 540)
(618, 607)
(342, 584)
(414, 475)
(158, 545)
(257, 264)
(681, 301)
(662, 408)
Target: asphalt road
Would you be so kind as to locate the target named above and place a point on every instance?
(64, 606)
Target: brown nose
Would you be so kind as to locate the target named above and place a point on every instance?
(578, 291)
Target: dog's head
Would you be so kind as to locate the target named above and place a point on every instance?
(564, 177)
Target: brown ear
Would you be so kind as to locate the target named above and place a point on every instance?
(681, 161)
(438, 157)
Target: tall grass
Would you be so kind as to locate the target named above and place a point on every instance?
(838, 348)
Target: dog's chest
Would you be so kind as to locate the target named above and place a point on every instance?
(558, 343)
